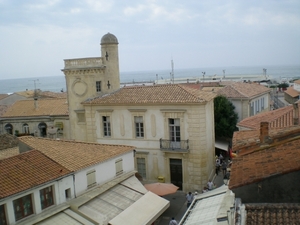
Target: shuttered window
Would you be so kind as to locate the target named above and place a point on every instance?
(119, 166)
(91, 178)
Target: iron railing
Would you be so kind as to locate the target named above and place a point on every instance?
(176, 146)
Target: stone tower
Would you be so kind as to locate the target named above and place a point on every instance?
(88, 78)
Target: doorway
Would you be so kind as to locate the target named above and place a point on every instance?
(176, 172)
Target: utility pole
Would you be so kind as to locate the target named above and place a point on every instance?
(203, 76)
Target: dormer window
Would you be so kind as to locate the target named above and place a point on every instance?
(98, 86)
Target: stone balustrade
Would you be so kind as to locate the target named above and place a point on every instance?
(83, 63)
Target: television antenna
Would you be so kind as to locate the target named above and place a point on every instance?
(35, 90)
(172, 72)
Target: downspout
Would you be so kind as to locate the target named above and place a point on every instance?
(74, 186)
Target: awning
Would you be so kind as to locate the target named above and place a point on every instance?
(143, 212)
(223, 145)
(210, 208)
(127, 201)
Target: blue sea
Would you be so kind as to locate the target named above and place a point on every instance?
(58, 83)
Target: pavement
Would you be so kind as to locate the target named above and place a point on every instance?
(178, 206)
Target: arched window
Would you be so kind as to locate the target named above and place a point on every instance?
(25, 128)
(43, 129)
(9, 128)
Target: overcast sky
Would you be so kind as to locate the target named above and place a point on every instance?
(37, 35)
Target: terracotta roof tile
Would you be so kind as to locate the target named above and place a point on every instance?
(26, 170)
(279, 157)
(156, 94)
(292, 92)
(297, 81)
(243, 90)
(200, 85)
(3, 109)
(75, 155)
(251, 138)
(45, 107)
(50, 94)
(253, 122)
(269, 214)
(27, 93)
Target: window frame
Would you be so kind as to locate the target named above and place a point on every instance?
(139, 126)
(119, 166)
(91, 178)
(174, 130)
(22, 207)
(3, 216)
(43, 193)
(98, 86)
(106, 125)
(25, 128)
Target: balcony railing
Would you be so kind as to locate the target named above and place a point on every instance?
(174, 146)
(83, 63)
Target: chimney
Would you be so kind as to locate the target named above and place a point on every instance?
(296, 113)
(264, 132)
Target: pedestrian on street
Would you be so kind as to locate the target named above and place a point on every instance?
(210, 185)
(189, 198)
(217, 166)
(224, 167)
(173, 221)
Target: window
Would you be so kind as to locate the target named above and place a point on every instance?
(91, 178)
(68, 193)
(174, 126)
(98, 86)
(119, 166)
(106, 126)
(139, 126)
(252, 109)
(141, 167)
(174, 129)
(46, 197)
(3, 220)
(9, 128)
(262, 103)
(25, 128)
(23, 207)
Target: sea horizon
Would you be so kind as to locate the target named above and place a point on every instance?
(56, 83)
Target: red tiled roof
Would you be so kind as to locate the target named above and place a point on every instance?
(3, 109)
(75, 155)
(257, 161)
(253, 122)
(267, 213)
(27, 170)
(156, 94)
(292, 92)
(44, 107)
(297, 81)
(243, 90)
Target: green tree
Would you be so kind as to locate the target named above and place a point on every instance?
(225, 117)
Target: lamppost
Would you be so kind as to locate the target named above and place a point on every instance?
(203, 76)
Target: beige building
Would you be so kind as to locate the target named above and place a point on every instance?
(39, 117)
(171, 126)
(249, 99)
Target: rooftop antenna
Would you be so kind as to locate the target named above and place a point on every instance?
(172, 73)
(35, 90)
(265, 72)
